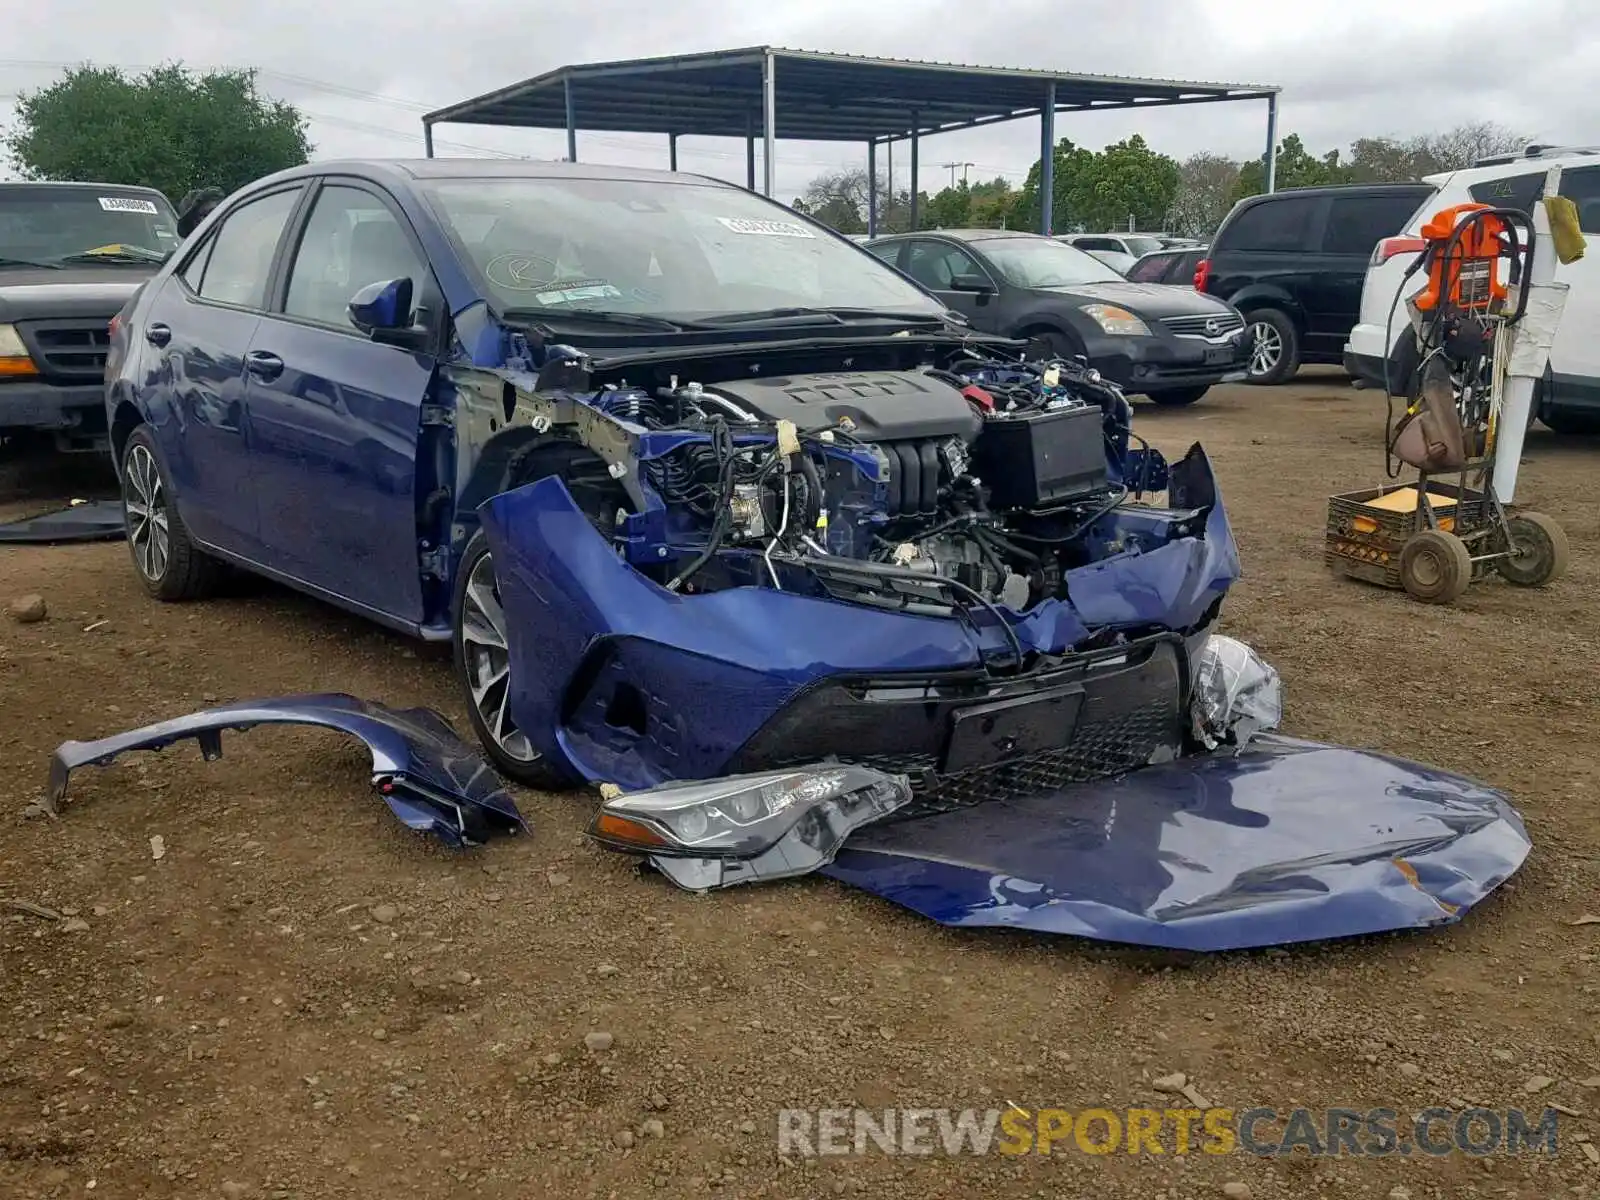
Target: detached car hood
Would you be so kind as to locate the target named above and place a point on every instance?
(1156, 300)
(1279, 841)
(27, 293)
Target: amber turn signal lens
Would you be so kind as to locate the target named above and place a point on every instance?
(623, 829)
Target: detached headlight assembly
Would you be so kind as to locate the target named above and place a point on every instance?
(708, 834)
(15, 362)
(1118, 322)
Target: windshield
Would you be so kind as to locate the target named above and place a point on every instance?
(49, 224)
(1142, 245)
(675, 250)
(1041, 262)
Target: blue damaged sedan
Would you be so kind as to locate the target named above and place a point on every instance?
(695, 485)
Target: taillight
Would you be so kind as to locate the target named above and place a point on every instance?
(1202, 274)
(1389, 247)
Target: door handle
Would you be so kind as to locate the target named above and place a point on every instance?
(263, 364)
(158, 335)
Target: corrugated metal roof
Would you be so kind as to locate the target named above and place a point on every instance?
(820, 96)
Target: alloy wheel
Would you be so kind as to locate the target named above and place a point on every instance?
(488, 661)
(1268, 348)
(145, 502)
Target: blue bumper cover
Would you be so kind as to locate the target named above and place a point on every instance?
(1282, 841)
(701, 675)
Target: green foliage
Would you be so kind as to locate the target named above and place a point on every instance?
(168, 129)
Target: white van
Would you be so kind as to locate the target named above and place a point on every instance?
(1568, 400)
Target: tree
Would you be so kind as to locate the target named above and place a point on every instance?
(1206, 184)
(1097, 191)
(1295, 167)
(168, 129)
(839, 199)
(968, 206)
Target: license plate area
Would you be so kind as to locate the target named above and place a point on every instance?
(986, 734)
(1219, 354)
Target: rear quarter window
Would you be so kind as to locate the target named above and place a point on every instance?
(1151, 268)
(1510, 191)
(1280, 224)
(1358, 223)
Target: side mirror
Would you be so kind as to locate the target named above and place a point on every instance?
(382, 311)
(971, 283)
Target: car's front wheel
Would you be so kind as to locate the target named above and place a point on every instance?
(169, 565)
(483, 665)
(1275, 356)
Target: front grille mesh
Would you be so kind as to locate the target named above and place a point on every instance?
(1221, 324)
(1123, 742)
(69, 349)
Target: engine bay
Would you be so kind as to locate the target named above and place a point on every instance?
(947, 486)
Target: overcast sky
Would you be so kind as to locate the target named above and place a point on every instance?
(364, 70)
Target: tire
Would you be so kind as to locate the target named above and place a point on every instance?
(1435, 566)
(484, 672)
(1541, 550)
(1178, 397)
(1573, 424)
(1273, 329)
(169, 565)
(1051, 343)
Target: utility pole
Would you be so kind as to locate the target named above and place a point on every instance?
(951, 167)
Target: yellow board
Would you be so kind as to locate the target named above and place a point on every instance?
(1404, 500)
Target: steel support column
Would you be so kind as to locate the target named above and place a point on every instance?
(672, 152)
(1271, 166)
(1047, 160)
(872, 189)
(572, 121)
(427, 139)
(750, 152)
(769, 124)
(915, 125)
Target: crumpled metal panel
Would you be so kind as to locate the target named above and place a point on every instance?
(91, 521)
(431, 779)
(716, 667)
(1279, 841)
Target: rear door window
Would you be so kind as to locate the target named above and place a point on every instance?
(1279, 224)
(1151, 268)
(1098, 243)
(1510, 191)
(935, 265)
(240, 263)
(1358, 223)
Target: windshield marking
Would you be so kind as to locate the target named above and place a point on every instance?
(128, 204)
(766, 228)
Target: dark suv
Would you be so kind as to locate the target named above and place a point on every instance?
(1294, 261)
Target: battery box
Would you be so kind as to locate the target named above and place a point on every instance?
(1040, 459)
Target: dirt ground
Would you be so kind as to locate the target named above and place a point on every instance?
(302, 1000)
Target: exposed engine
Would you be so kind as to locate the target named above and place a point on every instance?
(970, 483)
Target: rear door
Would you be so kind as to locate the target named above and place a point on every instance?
(336, 415)
(199, 327)
(1266, 247)
(1355, 224)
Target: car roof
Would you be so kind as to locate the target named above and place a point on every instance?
(79, 185)
(1340, 189)
(491, 168)
(965, 235)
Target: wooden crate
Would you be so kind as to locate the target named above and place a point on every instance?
(1366, 529)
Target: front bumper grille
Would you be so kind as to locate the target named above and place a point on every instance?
(1220, 325)
(68, 348)
(1131, 715)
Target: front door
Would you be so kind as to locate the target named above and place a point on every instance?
(1575, 354)
(336, 415)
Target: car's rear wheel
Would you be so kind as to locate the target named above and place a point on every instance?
(1178, 397)
(1275, 353)
(169, 565)
(483, 665)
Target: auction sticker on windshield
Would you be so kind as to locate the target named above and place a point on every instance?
(128, 204)
(765, 228)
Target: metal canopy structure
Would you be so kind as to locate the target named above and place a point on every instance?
(772, 93)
